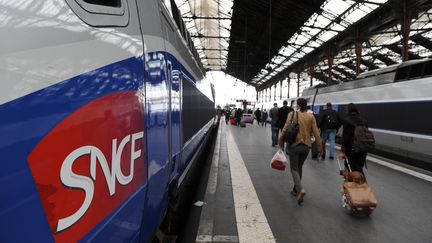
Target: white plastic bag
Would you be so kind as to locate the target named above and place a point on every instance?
(279, 161)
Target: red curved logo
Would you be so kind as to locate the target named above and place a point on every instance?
(90, 163)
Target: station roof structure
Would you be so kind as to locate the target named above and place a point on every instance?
(262, 41)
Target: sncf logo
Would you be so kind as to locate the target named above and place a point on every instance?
(90, 164)
(73, 180)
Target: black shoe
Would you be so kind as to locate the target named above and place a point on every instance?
(323, 157)
(331, 157)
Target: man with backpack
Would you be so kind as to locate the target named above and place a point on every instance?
(329, 122)
(283, 114)
(357, 140)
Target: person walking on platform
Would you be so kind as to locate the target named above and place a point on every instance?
(274, 115)
(299, 150)
(238, 115)
(283, 114)
(329, 122)
(227, 116)
(356, 159)
(264, 118)
(258, 116)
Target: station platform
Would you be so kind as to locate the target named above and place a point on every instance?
(248, 201)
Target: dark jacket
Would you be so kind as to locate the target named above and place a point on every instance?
(283, 114)
(348, 131)
(274, 115)
(258, 114)
(238, 113)
(264, 115)
(323, 122)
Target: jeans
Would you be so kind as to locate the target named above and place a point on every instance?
(275, 134)
(297, 157)
(328, 134)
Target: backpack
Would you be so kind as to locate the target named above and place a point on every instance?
(364, 140)
(332, 120)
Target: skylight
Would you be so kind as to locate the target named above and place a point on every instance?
(206, 20)
(335, 16)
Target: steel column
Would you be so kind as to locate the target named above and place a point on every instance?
(289, 82)
(405, 31)
(280, 86)
(311, 69)
(330, 65)
(298, 84)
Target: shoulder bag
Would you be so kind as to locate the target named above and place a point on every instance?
(292, 131)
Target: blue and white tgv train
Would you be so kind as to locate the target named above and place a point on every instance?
(100, 117)
(396, 101)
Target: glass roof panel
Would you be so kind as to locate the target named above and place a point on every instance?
(307, 49)
(312, 19)
(337, 6)
(312, 31)
(208, 27)
(419, 50)
(322, 21)
(367, 7)
(314, 44)
(279, 69)
(338, 27)
(288, 51)
(355, 15)
(333, 9)
(278, 59)
(301, 39)
(327, 35)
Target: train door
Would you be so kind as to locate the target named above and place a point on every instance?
(173, 85)
(158, 69)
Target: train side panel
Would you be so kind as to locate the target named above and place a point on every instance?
(73, 128)
(398, 113)
(169, 65)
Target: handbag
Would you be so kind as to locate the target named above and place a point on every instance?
(292, 131)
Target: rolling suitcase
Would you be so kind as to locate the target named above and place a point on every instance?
(358, 197)
(232, 121)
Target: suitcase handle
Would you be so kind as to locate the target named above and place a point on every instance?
(340, 167)
(348, 163)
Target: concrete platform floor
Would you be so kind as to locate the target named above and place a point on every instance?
(265, 211)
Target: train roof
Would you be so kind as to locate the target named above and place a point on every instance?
(379, 71)
(367, 79)
(413, 62)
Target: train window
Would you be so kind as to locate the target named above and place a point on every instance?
(101, 13)
(416, 70)
(402, 73)
(111, 3)
(189, 40)
(428, 69)
(183, 29)
(176, 15)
